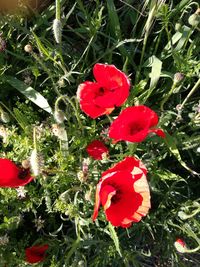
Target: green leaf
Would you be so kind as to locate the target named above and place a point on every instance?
(169, 140)
(114, 237)
(156, 67)
(167, 175)
(29, 93)
(114, 20)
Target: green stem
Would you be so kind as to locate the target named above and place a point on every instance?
(34, 139)
(58, 9)
(196, 86)
(167, 97)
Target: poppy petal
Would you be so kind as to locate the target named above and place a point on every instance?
(11, 175)
(110, 77)
(134, 124)
(106, 194)
(123, 191)
(96, 149)
(159, 132)
(36, 254)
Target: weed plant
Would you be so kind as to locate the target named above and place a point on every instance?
(156, 43)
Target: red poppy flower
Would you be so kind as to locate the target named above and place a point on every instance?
(134, 124)
(13, 176)
(36, 254)
(123, 192)
(96, 149)
(110, 89)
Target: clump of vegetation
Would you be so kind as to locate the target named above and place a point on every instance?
(45, 130)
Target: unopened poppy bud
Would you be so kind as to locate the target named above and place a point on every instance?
(59, 116)
(180, 246)
(178, 77)
(178, 26)
(28, 48)
(57, 30)
(26, 164)
(194, 19)
(36, 162)
(5, 117)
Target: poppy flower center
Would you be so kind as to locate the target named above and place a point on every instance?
(135, 128)
(101, 91)
(116, 197)
(23, 173)
(39, 253)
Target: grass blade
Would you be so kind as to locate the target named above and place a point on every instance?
(29, 93)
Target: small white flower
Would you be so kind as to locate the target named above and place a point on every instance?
(39, 223)
(21, 192)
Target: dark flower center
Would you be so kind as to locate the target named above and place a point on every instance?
(116, 197)
(135, 128)
(38, 253)
(101, 91)
(118, 194)
(23, 173)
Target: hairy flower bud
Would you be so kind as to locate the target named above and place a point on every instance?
(5, 117)
(194, 19)
(178, 77)
(57, 30)
(36, 162)
(59, 116)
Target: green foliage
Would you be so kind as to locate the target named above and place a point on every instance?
(151, 41)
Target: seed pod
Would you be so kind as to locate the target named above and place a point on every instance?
(57, 30)
(28, 48)
(26, 163)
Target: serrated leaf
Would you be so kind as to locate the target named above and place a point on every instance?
(29, 93)
(114, 237)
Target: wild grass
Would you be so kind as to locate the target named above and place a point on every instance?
(151, 41)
